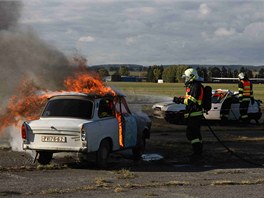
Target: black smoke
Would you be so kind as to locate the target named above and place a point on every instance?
(25, 56)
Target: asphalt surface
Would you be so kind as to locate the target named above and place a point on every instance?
(164, 170)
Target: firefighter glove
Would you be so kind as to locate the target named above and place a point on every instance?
(178, 100)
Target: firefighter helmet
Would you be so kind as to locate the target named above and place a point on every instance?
(241, 76)
(190, 75)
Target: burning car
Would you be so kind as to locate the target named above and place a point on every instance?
(225, 106)
(85, 123)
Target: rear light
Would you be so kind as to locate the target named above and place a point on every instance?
(83, 136)
(23, 131)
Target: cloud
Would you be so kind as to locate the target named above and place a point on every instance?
(255, 30)
(157, 32)
(204, 10)
(86, 39)
(224, 32)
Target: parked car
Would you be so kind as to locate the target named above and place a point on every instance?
(75, 122)
(225, 106)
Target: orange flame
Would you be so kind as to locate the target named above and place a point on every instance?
(29, 101)
(88, 84)
(26, 104)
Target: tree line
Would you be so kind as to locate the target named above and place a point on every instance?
(173, 73)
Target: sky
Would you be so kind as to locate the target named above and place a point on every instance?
(151, 32)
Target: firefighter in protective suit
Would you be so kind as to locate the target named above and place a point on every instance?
(245, 96)
(194, 112)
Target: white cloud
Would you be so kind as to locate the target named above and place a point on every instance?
(224, 32)
(204, 10)
(157, 32)
(132, 40)
(254, 30)
(86, 39)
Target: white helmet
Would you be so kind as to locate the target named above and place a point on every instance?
(241, 76)
(190, 74)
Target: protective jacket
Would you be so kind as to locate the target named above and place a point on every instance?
(193, 99)
(245, 90)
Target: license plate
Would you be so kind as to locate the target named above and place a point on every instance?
(53, 139)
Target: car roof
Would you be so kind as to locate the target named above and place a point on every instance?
(83, 95)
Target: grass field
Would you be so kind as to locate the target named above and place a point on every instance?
(174, 89)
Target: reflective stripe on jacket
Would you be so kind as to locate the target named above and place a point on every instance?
(245, 90)
(193, 99)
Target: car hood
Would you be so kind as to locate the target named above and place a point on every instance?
(57, 124)
(169, 106)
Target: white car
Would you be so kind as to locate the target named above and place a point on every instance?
(84, 123)
(225, 106)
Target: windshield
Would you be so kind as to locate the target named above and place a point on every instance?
(75, 108)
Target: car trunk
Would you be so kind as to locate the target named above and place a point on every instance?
(55, 134)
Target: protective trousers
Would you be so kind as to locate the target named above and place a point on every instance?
(244, 109)
(193, 133)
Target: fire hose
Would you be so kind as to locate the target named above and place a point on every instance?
(228, 149)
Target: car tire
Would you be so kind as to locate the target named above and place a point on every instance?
(44, 157)
(102, 154)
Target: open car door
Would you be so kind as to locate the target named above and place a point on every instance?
(127, 124)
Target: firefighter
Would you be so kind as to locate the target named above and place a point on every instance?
(194, 113)
(245, 95)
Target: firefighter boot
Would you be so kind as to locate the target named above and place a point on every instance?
(197, 156)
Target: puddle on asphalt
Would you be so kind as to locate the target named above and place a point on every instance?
(151, 157)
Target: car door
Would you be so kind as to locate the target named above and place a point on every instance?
(105, 126)
(127, 124)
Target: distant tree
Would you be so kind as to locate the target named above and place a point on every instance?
(113, 68)
(224, 72)
(203, 72)
(261, 73)
(249, 73)
(216, 72)
(116, 77)
(150, 75)
(154, 73)
(179, 72)
(229, 73)
(157, 72)
(235, 73)
(174, 73)
(169, 74)
(124, 71)
(242, 69)
(209, 75)
(103, 72)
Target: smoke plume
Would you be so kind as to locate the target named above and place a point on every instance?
(23, 55)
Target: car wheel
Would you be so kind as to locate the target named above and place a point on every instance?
(102, 154)
(44, 157)
(139, 149)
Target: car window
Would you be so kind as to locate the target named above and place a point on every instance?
(218, 97)
(121, 106)
(105, 108)
(76, 108)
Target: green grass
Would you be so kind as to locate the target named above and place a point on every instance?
(174, 89)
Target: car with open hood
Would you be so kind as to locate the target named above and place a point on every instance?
(225, 107)
(85, 123)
